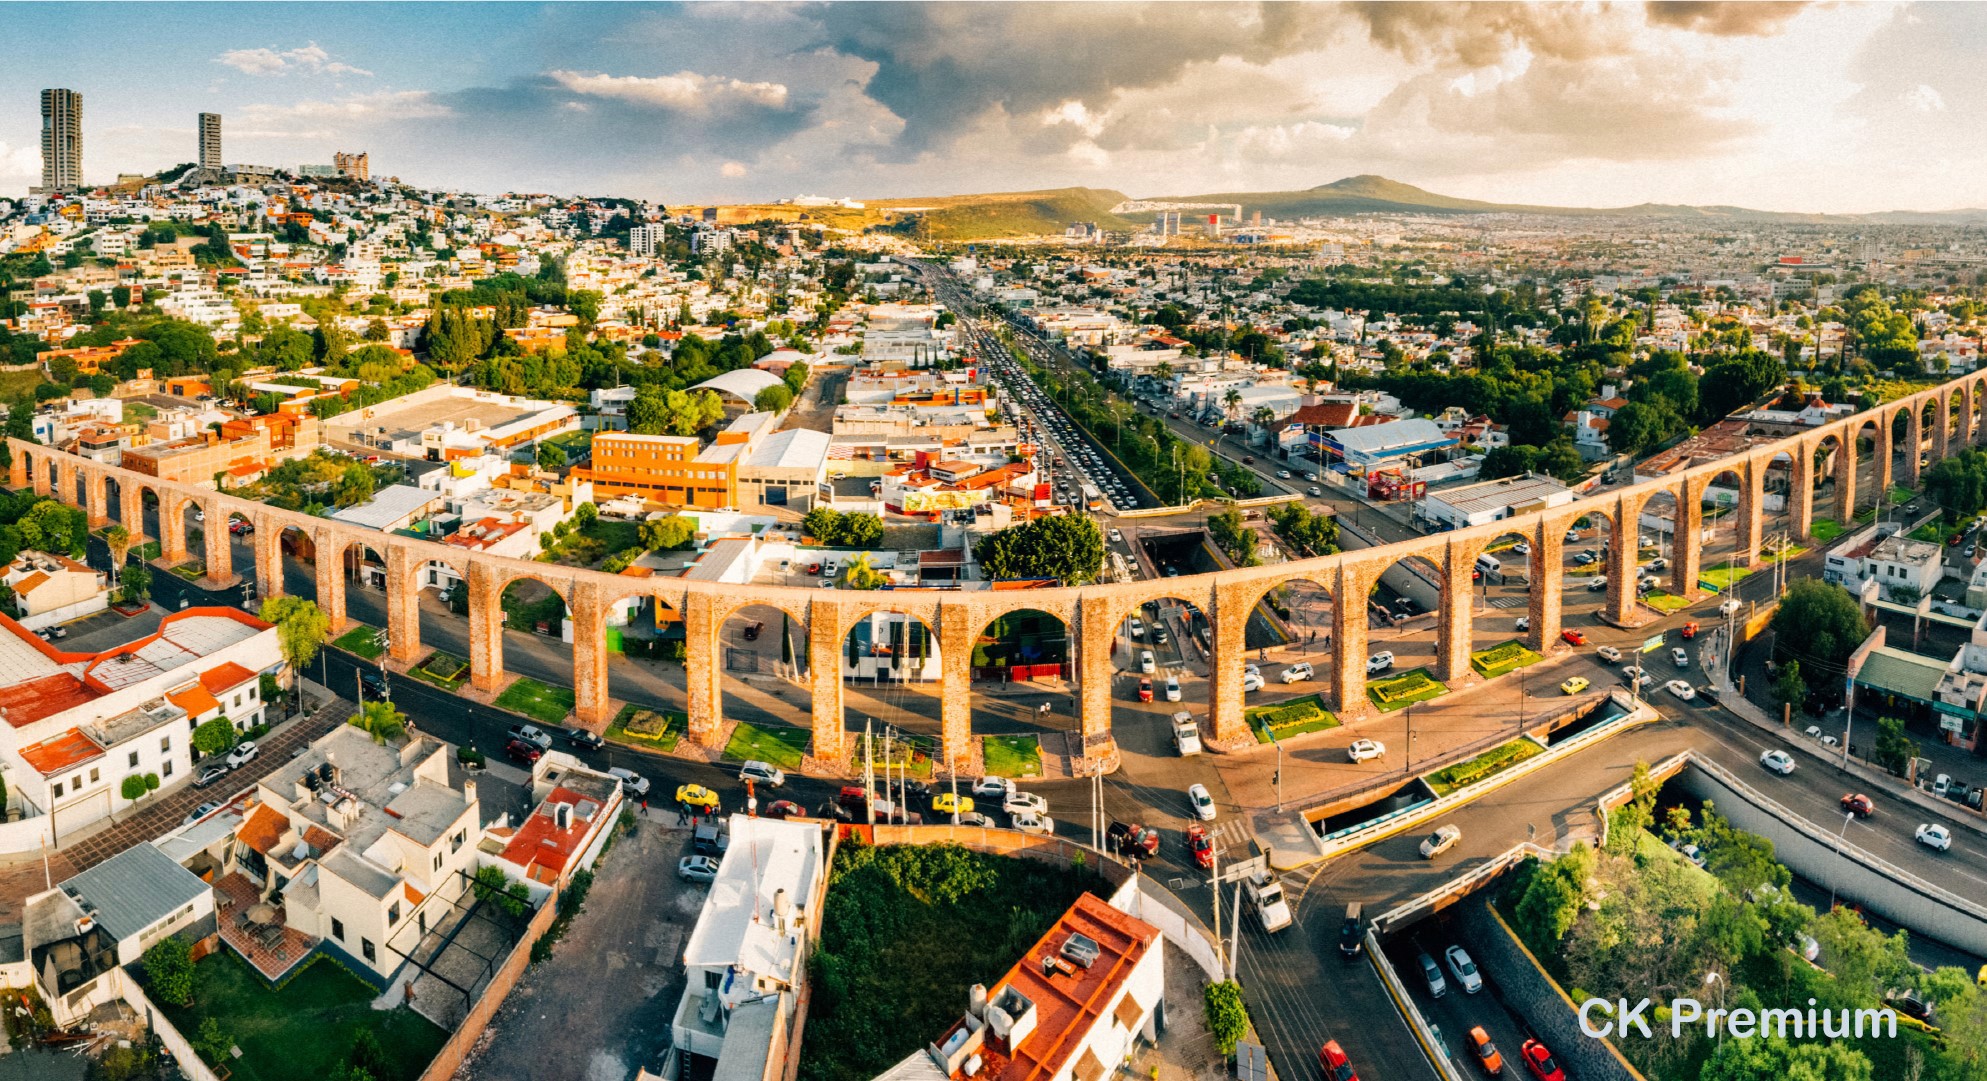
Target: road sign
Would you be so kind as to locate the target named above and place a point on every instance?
(1653, 644)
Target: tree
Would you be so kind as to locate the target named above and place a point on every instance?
(1227, 1018)
(1775, 1059)
(860, 530)
(858, 574)
(1735, 382)
(1893, 749)
(1552, 896)
(823, 523)
(773, 399)
(666, 534)
(1819, 624)
(1065, 547)
(169, 971)
(119, 540)
(301, 628)
(354, 486)
(1959, 484)
(212, 1042)
(50, 526)
(585, 515)
(381, 721)
(1788, 689)
(214, 737)
(137, 582)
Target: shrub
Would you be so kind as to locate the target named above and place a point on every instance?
(169, 971)
(1227, 1018)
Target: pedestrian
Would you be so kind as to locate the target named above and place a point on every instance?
(645, 806)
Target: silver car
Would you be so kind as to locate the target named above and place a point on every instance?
(697, 869)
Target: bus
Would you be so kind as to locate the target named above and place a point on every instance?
(1092, 498)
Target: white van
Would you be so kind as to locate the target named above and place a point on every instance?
(1488, 564)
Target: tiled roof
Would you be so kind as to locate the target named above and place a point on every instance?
(57, 753)
(194, 699)
(27, 702)
(1069, 1004)
(263, 828)
(223, 678)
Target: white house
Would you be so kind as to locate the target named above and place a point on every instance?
(78, 935)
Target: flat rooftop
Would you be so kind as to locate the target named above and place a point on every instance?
(409, 421)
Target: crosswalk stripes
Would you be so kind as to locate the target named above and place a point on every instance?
(1510, 602)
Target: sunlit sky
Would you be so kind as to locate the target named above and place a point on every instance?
(1845, 107)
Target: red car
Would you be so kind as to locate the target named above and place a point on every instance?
(1859, 805)
(1485, 1052)
(1145, 690)
(1202, 846)
(1540, 1062)
(521, 751)
(1690, 629)
(785, 808)
(1573, 638)
(1333, 1063)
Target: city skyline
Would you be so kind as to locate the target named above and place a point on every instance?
(1569, 105)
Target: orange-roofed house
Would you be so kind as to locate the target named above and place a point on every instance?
(54, 589)
(555, 839)
(1070, 1009)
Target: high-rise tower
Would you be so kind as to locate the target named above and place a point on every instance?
(210, 142)
(61, 140)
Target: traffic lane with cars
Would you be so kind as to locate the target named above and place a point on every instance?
(1458, 1010)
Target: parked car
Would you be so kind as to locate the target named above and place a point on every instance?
(1363, 749)
(1779, 762)
(1932, 835)
(1858, 804)
(762, 773)
(1024, 803)
(583, 737)
(1030, 822)
(1485, 1052)
(199, 813)
(1609, 654)
(993, 787)
(1464, 969)
(1573, 637)
(243, 754)
(709, 838)
(1539, 1062)
(521, 752)
(211, 774)
(697, 869)
(1442, 840)
(632, 783)
(1201, 802)
(1130, 838)
(696, 795)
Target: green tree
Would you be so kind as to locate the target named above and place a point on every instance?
(301, 629)
(859, 530)
(1958, 484)
(1552, 897)
(585, 515)
(1227, 1018)
(858, 574)
(136, 785)
(214, 737)
(353, 486)
(1819, 624)
(213, 1042)
(1736, 382)
(381, 721)
(1065, 547)
(773, 399)
(169, 971)
(824, 524)
(1775, 1059)
(120, 541)
(1893, 749)
(667, 534)
(137, 582)
(1789, 689)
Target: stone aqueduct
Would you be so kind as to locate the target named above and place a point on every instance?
(1092, 613)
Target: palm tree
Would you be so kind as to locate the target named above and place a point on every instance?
(1264, 416)
(120, 541)
(1231, 399)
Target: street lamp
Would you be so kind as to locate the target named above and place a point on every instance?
(1840, 836)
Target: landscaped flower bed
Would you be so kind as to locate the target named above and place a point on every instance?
(648, 727)
(444, 670)
(1448, 779)
(1499, 659)
(1405, 689)
(1292, 718)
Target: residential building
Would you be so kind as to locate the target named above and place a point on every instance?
(573, 815)
(673, 470)
(645, 240)
(61, 140)
(50, 589)
(1073, 1008)
(197, 458)
(210, 142)
(1902, 568)
(79, 935)
(746, 960)
(352, 166)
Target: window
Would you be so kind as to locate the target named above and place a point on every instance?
(167, 770)
(237, 701)
(251, 691)
(366, 947)
(58, 790)
(712, 978)
(438, 861)
(338, 929)
(455, 842)
(165, 745)
(393, 913)
(132, 759)
(93, 776)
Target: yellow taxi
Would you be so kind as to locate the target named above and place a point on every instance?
(696, 795)
(1575, 685)
(951, 803)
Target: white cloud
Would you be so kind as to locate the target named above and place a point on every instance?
(1076, 115)
(732, 169)
(19, 163)
(1925, 99)
(685, 91)
(308, 59)
(320, 119)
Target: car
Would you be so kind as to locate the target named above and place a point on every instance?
(1432, 973)
(975, 818)
(1464, 969)
(951, 803)
(1130, 838)
(1730, 607)
(1659, 564)
(1030, 822)
(1524, 623)
(1283, 474)
(1597, 585)
(1814, 733)
(1932, 835)
(696, 795)
(583, 737)
(1582, 559)
(1299, 672)
(373, 685)
(1202, 803)
(1681, 689)
(1635, 673)
(1117, 537)
(1575, 685)
(1858, 804)
(752, 630)
(1314, 490)
(762, 773)
(1442, 840)
(1572, 536)
(1690, 630)
(1145, 662)
(784, 808)
(1572, 637)
(1202, 846)
(1539, 1062)
(1172, 688)
(211, 774)
(1020, 802)
(243, 754)
(1609, 654)
(1252, 681)
(1333, 1063)
(1779, 762)
(1380, 662)
(633, 783)
(1159, 635)
(1521, 549)
(697, 869)
(1248, 459)
(993, 788)
(1485, 1052)
(1363, 749)
(1352, 931)
(1145, 688)
(199, 813)
(521, 752)
(1406, 605)
(1137, 628)
(1679, 657)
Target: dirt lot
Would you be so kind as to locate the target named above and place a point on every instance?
(600, 1007)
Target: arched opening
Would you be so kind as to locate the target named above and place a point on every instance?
(535, 645)
(1722, 560)
(297, 554)
(441, 611)
(193, 531)
(1500, 599)
(891, 674)
(113, 494)
(1956, 418)
(1404, 629)
(764, 688)
(1295, 666)
(1586, 548)
(1658, 539)
(1024, 703)
(1825, 461)
(1928, 412)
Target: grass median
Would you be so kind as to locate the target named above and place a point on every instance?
(1401, 691)
(1012, 756)
(542, 702)
(1293, 718)
(652, 728)
(1502, 658)
(782, 745)
(360, 640)
(1484, 766)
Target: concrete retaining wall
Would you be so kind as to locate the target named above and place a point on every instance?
(1518, 980)
(1856, 875)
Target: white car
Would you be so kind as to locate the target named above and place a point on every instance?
(1464, 969)
(1730, 607)
(1137, 628)
(1172, 688)
(764, 773)
(633, 783)
(1659, 564)
(1521, 549)
(1936, 836)
(1363, 749)
(1681, 658)
(1252, 681)
(1283, 474)
(1442, 840)
(1681, 689)
(1030, 822)
(1609, 654)
(1203, 804)
(697, 869)
(1145, 662)
(1379, 662)
(242, 754)
(1117, 537)
(1524, 623)
(1025, 803)
(1779, 762)
(993, 788)
(1299, 672)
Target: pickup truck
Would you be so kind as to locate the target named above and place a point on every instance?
(532, 734)
(1265, 895)
(1186, 733)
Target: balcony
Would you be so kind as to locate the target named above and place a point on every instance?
(257, 929)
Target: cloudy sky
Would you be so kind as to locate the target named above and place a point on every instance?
(1786, 106)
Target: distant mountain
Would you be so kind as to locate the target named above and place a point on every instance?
(1003, 214)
